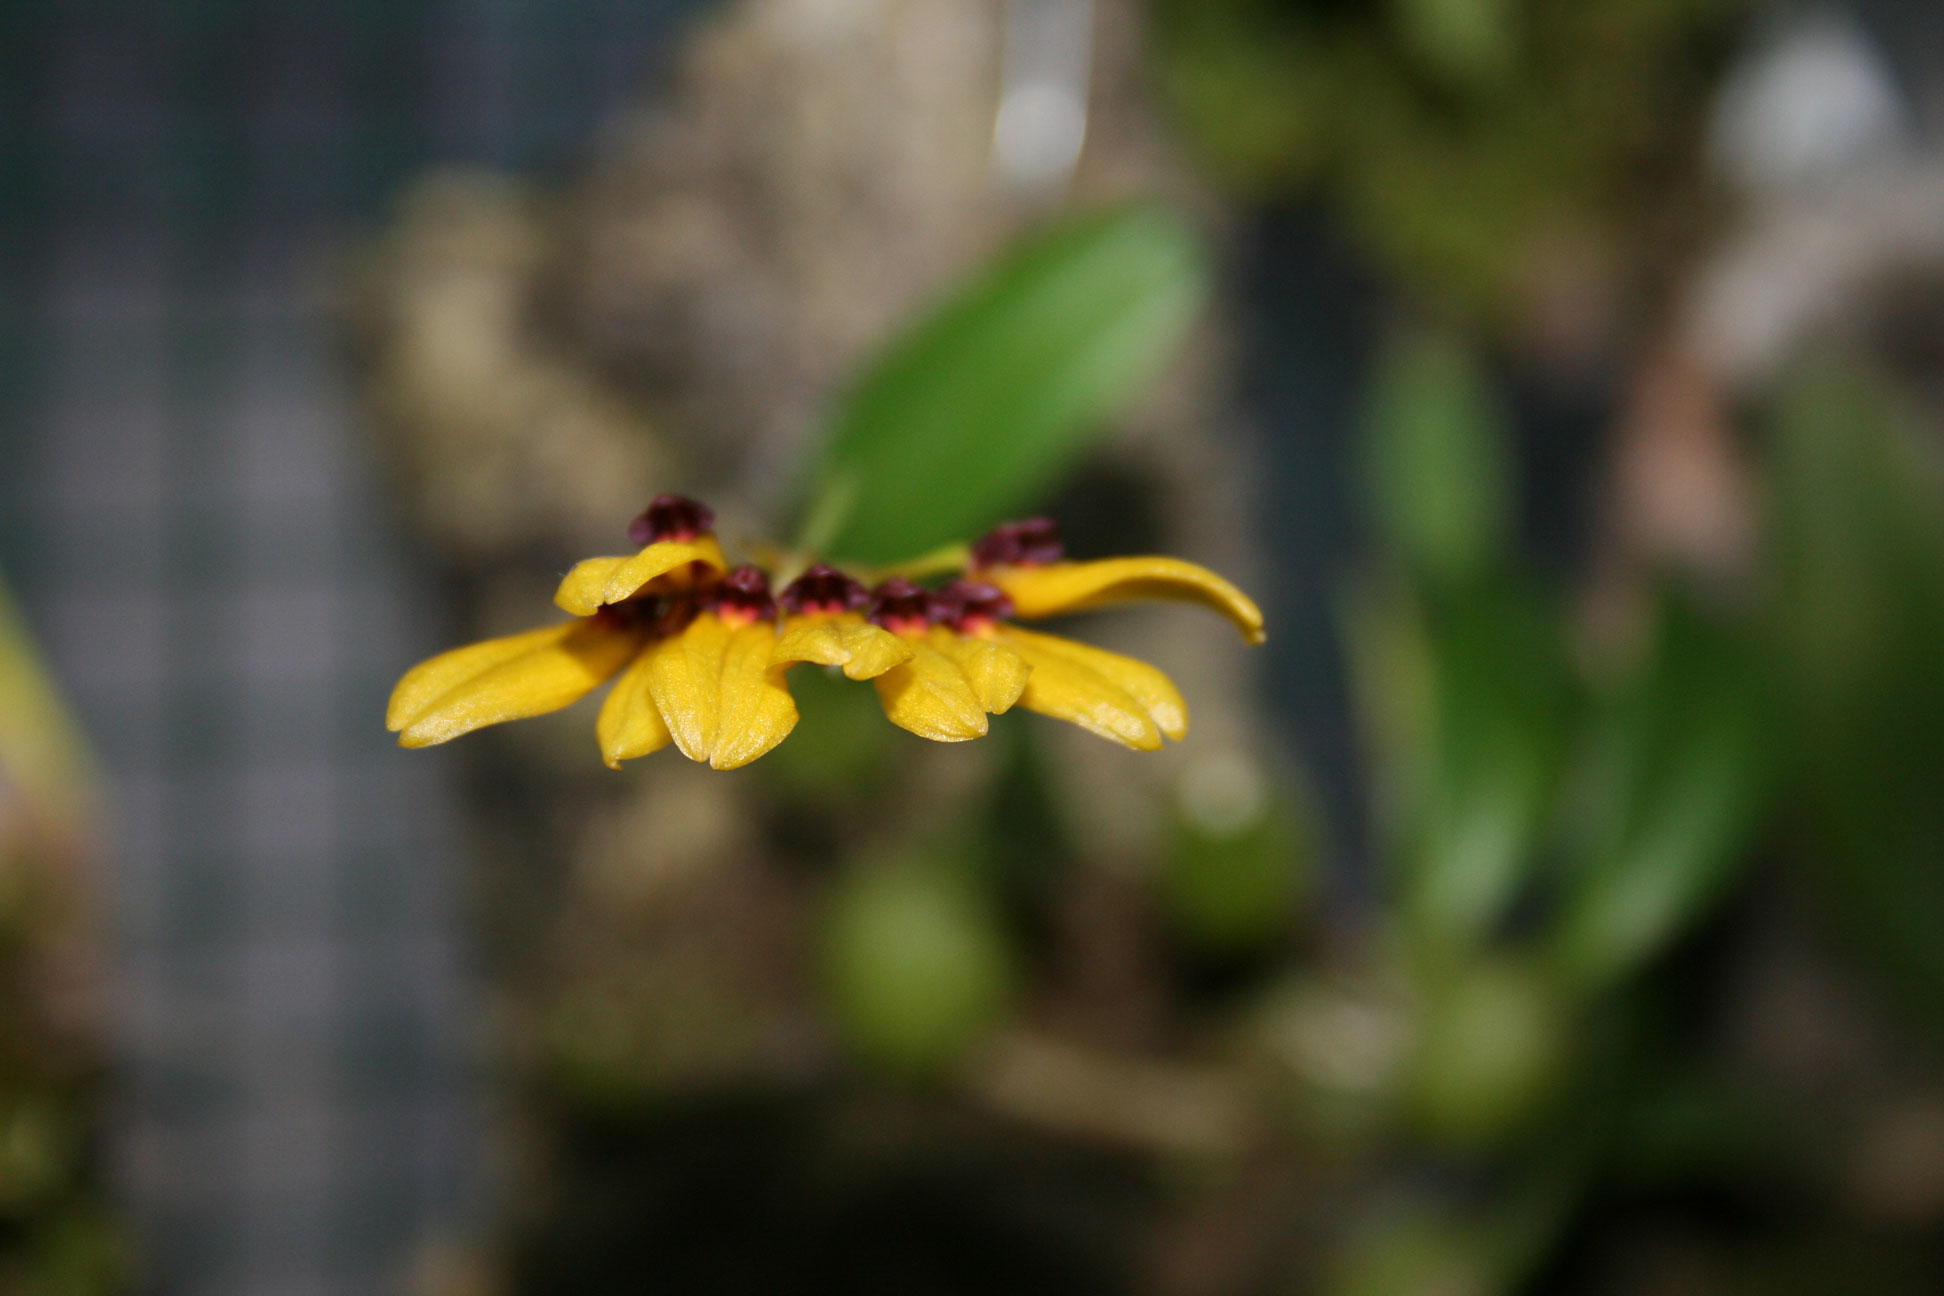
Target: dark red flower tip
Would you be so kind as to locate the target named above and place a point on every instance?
(972, 605)
(1027, 543)
(901, 605)
(744, 595)
(824, 589)
(671, 517)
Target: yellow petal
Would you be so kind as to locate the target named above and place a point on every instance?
(629, 725)
(930, 696)
(756, 711)
(596, 581)
(996, 673)
(1144, 683)
(1067, 690)
(1076, 586)
(685, 680)
(845, 639)
(558, 669)
(426, 682)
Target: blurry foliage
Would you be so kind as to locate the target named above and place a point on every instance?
(1858, 522)
(969, 415)
(1461, 139)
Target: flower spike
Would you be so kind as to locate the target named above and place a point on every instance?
(701, 649)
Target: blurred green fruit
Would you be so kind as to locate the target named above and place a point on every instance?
(1489, 1049)
(1468, 43)
(916, 967)
(1238, 860)
(1415, 1255)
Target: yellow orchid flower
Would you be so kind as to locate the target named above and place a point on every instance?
(701, 649)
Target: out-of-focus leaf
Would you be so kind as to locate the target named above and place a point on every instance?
(1681, 754)
(1248, 80)
(1439, 473)
(1393, 678)
(1858, 515)
(916, 966)
(966, 417)
(1501, 701)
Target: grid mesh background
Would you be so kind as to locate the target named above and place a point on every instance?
(187, 517)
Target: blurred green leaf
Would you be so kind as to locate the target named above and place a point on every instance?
(966, 417)
(1501, 703)
(1439, 471)
(1250, 82)
(1680, 757)
(917, 967)
(1858, 518)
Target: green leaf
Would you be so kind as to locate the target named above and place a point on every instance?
(1680, 763)
(1501, 702)
(1858, 516)
(975, 411)
(1437, 460)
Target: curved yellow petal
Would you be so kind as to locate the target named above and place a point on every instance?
(755, 711)
(1065, 689)
(996, 673)
(629, 725)
(558, 669)
(597, 581)
(685, 680)
(431, 679)
(1076, 586)
(1144, 683)
(930, 696)
(845, 639)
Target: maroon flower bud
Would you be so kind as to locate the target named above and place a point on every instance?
(744, 596)
(1030, 543)
(901, 606)
(974, 605)
(824, 589)
(671, 517)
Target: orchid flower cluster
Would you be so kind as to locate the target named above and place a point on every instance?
(701, 648)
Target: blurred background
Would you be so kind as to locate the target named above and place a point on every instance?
(1553, 905)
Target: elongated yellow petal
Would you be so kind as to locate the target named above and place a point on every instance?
(1076, 586)
(685, 680)
(597, 581)
(1144, 683)
(629, 725)
(996, 673)
(930, 696)
(756, 711)
(426, 682)
(845, 639)
(1067, 690)
(558, 669)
